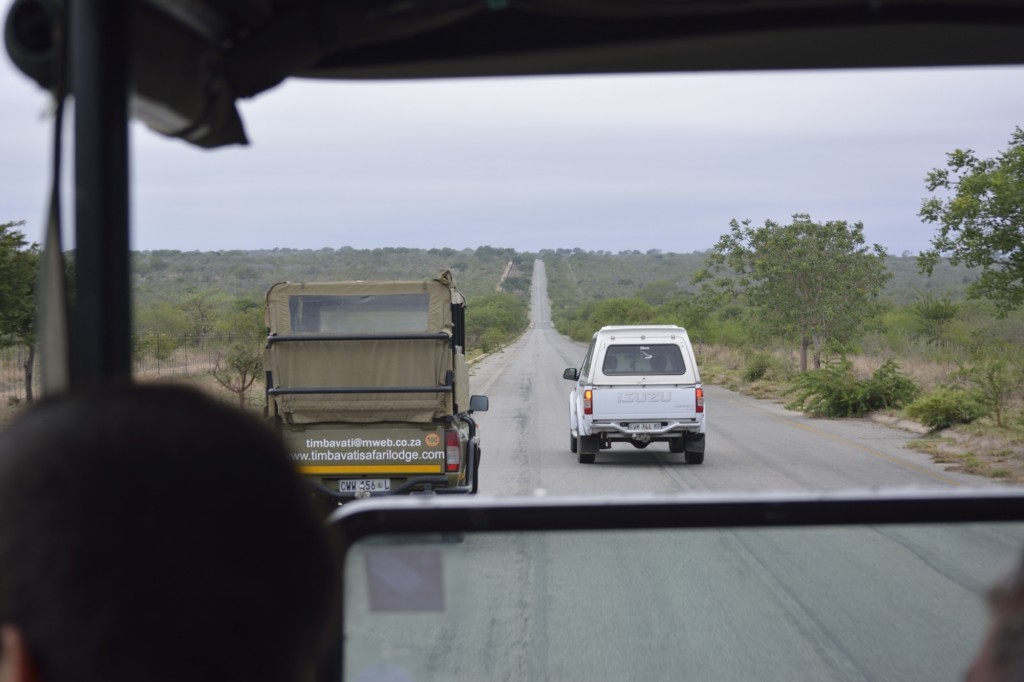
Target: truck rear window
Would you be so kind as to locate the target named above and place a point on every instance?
(643, 359)
(371, 314)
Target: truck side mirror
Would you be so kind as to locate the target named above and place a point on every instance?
(572, 374)
(478, 403)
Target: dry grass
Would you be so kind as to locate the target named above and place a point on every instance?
(928, 374)
(979, 448)
(725, 366)
(205, 382)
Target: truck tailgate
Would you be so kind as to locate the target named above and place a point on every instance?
(644, 403)
(359, 449)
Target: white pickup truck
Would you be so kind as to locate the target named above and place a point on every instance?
(638, 385)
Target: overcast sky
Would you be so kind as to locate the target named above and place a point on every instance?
(602, 163)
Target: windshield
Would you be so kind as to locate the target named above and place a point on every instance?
(835, 603)
(792, 223)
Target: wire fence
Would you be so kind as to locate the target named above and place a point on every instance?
(154, 356)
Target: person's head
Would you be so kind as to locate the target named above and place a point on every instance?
(1001, 657)
(153, 533)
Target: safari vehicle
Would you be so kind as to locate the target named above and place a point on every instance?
(830, 599)
(639, 385)
(369, 385)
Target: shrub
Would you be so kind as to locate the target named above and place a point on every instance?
(491, 340)
(757, 367)
(947, 406)
(997, 383)
(832, 391)
(239, 368)
(889, 388)
(156, 345)
(835, 391)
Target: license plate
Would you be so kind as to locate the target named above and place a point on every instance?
(369, 485)
(643, 426)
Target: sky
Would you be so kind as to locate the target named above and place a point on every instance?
(610, 163)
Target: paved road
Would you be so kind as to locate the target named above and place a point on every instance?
(837, 603)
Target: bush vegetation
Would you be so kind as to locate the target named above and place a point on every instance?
(494, 320)
(924, 325)
(757, 367)
(835, 391)
(213, 302)
(923, 322)
(945, 407)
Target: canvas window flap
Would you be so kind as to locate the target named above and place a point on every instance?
(415, 306)
(366, 363)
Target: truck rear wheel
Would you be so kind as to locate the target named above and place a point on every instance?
(677, 444)
(694, 448)
(572, 443)
(587, 447)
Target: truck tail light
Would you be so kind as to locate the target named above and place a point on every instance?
(588, 402)
(452, 450)
(700, 400)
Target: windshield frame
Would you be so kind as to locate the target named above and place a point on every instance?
(431, 516)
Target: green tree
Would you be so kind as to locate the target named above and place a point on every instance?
(161, 317)
(816, 282)
(244, 320)
(933, 316)
(200, 308)
(19, 266)
(980, 218)
(658, 292)
(495, 319)
(996, 382)
(238, 368)
(620, 311)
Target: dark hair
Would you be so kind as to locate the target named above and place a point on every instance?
(149, 532)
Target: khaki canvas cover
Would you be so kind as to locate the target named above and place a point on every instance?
(312, 310)
(440, 293)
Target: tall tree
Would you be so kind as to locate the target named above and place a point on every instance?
(238, 368)
(980, 216)
(816, 282)
(933, 316)
(19, 265)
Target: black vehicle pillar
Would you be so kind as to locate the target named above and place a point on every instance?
(100, 321)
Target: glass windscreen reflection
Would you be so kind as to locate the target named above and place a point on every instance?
(882, 602)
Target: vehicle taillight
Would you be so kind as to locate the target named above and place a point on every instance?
(700, 400)
(452, 450)
(588, 402)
